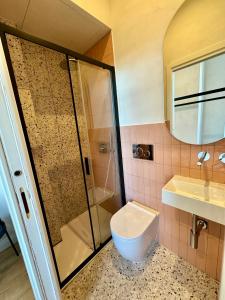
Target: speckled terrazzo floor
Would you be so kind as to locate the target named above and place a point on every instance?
(162, 276)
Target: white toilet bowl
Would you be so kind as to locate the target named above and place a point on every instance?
(134, 228)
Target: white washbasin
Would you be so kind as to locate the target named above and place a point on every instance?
(203, 198)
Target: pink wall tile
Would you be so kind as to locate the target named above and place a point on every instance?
(182, 250)
(159, 157)
(194, 156)
(212, 256)
(175, 245)
(195, 173)
(145, 179)
(217, 165)
(167, 153)
(185, 155)
(191, 256)
(185, 172)
(218, 177)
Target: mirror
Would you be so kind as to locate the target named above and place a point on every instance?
(194, 65)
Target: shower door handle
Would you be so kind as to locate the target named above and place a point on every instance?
(87, 168)
(25, 204)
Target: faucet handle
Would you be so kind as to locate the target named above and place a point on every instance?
(202, 156)
(222, 157)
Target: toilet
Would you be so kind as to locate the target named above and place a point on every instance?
(134, 229)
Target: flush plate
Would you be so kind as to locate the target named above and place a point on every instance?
(143, 151)
(203, 198)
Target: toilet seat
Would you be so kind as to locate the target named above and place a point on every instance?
(131, 221)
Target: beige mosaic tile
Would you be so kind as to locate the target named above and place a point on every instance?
(36, 69)
(44, 105)
(30, 117)
(16, 54)
(58, 77)
(30, 48)
(73, 190)
(63, 106)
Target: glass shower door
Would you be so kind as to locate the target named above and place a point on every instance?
(66, 111)
(53, 140)
(93, 99)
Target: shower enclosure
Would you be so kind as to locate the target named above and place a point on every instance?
(68, 109)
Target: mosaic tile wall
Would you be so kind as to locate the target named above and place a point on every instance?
(46, 101)
(145, 179)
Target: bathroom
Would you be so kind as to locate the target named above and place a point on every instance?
(113, 190)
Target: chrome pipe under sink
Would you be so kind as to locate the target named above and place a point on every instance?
(197, 226)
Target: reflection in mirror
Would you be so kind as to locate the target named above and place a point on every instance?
(194, 63)
(198, 93)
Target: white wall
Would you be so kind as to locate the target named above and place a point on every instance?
(4, 215)
(198, 29)
(138, 28)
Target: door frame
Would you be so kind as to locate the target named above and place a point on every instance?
(31, 232)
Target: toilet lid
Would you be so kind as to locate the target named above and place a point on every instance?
(131, 221)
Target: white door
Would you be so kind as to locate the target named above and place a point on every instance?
(20, 188)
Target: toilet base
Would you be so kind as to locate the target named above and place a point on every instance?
(136, 249)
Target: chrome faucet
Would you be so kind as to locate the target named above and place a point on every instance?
(222, 157)
(202, 156)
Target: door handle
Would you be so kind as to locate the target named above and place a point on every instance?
(87, 167)
(25, 204)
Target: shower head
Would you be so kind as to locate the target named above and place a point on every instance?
(63, 64)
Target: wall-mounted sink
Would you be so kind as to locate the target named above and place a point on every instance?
(196, 196)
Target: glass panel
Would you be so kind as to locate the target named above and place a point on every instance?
(93, 96)
(48, 109)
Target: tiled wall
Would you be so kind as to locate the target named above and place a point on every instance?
(47, 105)
(105, 165)
(100, 160)
(145, 179)
(103, 50)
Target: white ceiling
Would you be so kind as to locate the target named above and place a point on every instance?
(58, 21)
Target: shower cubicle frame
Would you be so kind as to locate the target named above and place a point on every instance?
(5, 29)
